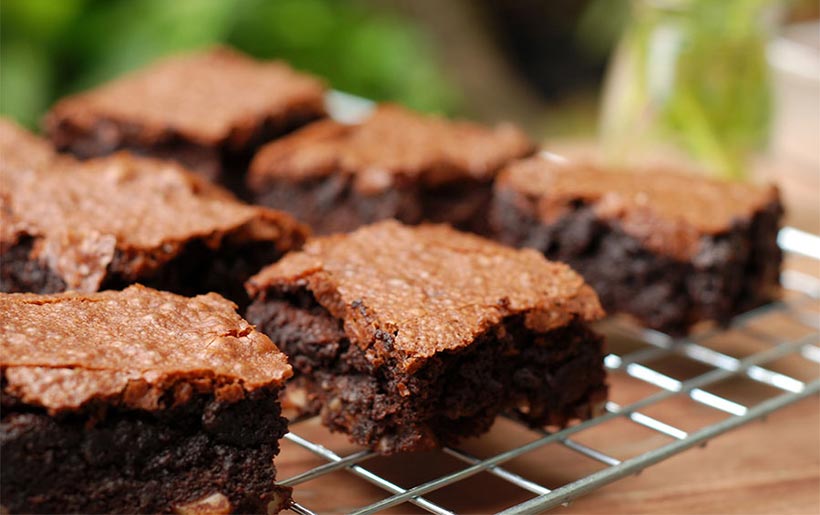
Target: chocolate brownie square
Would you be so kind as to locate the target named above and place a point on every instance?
(209, 110)
(137, 401)
(395, 164)
(670, 249)
(407, 338)
(112, 221)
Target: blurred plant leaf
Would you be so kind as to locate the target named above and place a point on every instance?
(39, 19)
(54, 47)
(25, 82)
(145, 30)
(601, 24)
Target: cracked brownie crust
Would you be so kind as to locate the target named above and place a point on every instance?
(395, 164)
(409, 338)
(112, 221)
(102, 412)
(669, 249)
(210, 110)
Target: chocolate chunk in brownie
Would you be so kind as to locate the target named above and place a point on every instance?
(670, 249)
(407, 338)
(394, 164)
(112, 221)
(137, 401)
(209, 110)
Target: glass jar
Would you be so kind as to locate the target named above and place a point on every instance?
(690, 80)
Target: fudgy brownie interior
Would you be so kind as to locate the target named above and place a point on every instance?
(393, 164)
(334, 205)
(235, 105)
(732, 272)
(411, 337)
(122, 219)
(224, 165)
(20, 273)
(109, 460)
(541, 378)
(198, 268)
(137, 401)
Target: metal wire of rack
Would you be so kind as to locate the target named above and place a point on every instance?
(804, 294)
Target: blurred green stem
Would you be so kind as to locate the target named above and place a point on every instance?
(692, 76)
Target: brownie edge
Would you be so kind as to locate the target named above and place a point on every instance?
(542, 379)
(408, 338)
(394, 164)
(103, 413)
(109, 222)
(210, 110)
(203, 453)
(668, 249)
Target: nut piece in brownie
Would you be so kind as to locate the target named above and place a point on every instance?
(394, 164)
(137, 401)
(667, 248)
(209, 110)
(407, 338)
(116, 220)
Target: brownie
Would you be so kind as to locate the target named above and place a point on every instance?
(209, 110)
(667, 248)
(395, 164)
(112, 221)
(137, 401)
(407, 338)
(20, 149)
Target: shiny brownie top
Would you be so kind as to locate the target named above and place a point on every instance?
(138, 348)
(141, 212)
(213, 97)
(668, 210)
(406, 293)
(391, 146)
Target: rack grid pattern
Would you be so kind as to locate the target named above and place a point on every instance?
(799, 306)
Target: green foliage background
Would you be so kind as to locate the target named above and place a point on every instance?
(49, 48)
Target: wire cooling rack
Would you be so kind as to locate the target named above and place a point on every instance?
(789, 328)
